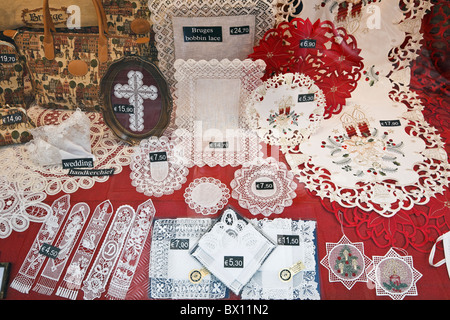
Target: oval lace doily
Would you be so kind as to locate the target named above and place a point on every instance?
(264, 187)
(286, 109)
(206, 195)
(161, 177)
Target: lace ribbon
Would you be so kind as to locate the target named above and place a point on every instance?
(101, 270)
(132, 250)
(65, 243)
(78, 267)
(47, 233)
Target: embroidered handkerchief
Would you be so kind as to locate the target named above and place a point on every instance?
(233, 250)
(174, 273)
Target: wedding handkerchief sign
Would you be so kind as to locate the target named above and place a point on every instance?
(291, 270)
(156, 168)
(233, 250)
(174, 273)
(205, 30)
(286, 109)
(264, 186)
(210, 99)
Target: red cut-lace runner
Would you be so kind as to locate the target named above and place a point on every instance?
(327, 54)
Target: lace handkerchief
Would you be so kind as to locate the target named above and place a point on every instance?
(233, 250)
(170, 279)
(291, 270)
(210, 99)
(264, 186)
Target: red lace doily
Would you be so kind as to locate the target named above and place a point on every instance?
(327, 54)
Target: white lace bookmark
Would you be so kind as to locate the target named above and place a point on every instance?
(129, 258)
(54, 268)
(78, 267)
(99, 274)
(34, 260)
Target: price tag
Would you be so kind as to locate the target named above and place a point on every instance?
(12, 118)
(218, 145)
(179, 244)
(158, 156)
(123, 108)
(264, 185)
(308, 97)
(308, 43)
(239, 30)
(390, 123)
(288, 240)
(8, 58)
(49, 251)
(233, 262)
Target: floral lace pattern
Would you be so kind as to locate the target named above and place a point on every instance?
(169, 279)
(206, 195)
(264, 186)
(296, 243)
(156, 168)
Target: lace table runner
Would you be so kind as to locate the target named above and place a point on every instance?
(169, 279)
(291, 270)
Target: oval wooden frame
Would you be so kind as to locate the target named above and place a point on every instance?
(105, 98)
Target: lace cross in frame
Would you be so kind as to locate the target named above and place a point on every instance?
(169, 279)
(162, 12)
(291, 270)
(210, 100)
(206, 195)
(286, 109)
(264, 186)
(156, 168)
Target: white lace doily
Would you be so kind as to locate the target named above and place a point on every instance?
(156, 168)
(209, 98)
(233, 250)
(286, 109)
(277, 279)
(170, 279)
(162, 12)
(109, 153)
(264, 186)
(206, 195)
(19, 207)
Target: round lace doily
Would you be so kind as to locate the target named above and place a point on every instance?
(206, 195)
(264, 187)
(163, 174)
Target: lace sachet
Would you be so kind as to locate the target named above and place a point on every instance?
(156, 169)
(233, 250)
(170, 279)
(210, 99)
(264, 186)
(286, 109)
(68, 140)
(206, 195)
(291, 270)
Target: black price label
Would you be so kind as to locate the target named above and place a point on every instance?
(123, 108)
(202, 34)
(49, 251)
(288, 240)
(264, 185)
(179, 244)
(308, 43)
(239, 30)
(12, 118)
(233, 262)
(218, 145)
(390, 123)
(158, 156)
(8, 58)
(308, 97)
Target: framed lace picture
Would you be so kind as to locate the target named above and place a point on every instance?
(136, 100)
(205, 30)
(210, 101)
